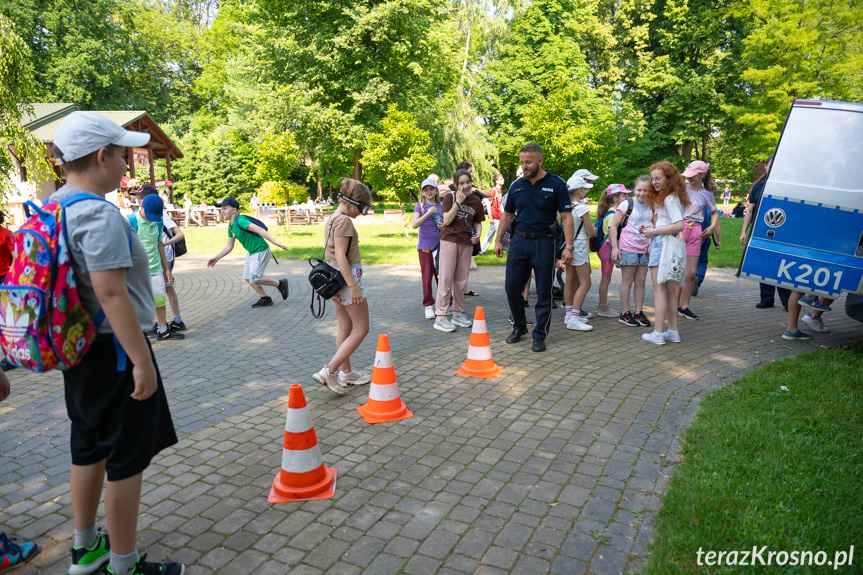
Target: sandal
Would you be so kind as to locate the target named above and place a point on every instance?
(471, 293)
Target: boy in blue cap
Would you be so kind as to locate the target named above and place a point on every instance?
(254, 238)
(147, 223)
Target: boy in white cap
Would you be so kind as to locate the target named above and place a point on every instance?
(114, 397)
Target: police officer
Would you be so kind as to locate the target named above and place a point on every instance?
(538, 196)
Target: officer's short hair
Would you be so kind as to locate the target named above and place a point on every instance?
(531, 147)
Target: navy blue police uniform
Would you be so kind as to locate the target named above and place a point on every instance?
(532, 245)
(767, 290)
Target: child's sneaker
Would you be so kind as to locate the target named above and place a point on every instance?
(585, 314)
(87, 560)
(628, 319)
(263, 302)
(177, 325)
(170, 334)
(443, 324)
(283, 288)
(797, 334)
(143, 567)
(579, 324)
(430, 313)
(12, 554)
(461, 320)
(329, 380)
(355, 377)
(606, 311)
(814, 303)
(641, 319)
(816, 324)
(672, 336)
(654, 338)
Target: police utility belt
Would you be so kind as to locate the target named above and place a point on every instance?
(552, 231)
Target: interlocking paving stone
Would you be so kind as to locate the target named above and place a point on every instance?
(513, 474)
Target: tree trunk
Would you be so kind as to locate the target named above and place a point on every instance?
(686, 150)
(320, 188)
(358, 167)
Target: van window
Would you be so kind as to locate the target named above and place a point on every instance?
(821, 146)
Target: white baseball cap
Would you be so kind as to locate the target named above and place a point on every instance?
(576, 183)
(585, 175)
(82, 133)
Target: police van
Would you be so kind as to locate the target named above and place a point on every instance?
(807, 234)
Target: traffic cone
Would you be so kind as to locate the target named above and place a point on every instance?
(303, 475)
(385, 403)
(479, 362)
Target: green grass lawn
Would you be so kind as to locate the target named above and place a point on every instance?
(385, 243)
(773, 459)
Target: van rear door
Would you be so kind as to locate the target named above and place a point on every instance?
(808, 230)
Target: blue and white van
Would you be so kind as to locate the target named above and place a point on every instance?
(807, 234)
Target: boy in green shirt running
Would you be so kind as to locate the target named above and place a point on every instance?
(252, 237)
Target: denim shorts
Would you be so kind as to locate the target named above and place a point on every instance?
(344, 295)
(633, 259)
(655, 251)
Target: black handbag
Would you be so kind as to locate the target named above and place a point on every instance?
(326, 281)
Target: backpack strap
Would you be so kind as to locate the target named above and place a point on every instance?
(74, 199)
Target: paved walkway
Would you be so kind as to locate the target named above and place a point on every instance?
(556, 465)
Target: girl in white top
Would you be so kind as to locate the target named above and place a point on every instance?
(578, 271)
(631, 252)
(668, 200)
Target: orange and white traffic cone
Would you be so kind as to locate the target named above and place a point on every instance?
(479, 362)
(385, 402)
(303, 475)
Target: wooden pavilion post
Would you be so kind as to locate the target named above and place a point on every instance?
(130, 161)
(168, 169)
(152, 166)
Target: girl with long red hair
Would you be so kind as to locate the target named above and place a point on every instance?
(668, 200)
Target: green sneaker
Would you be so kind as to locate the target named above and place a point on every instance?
(143, 567)
(86, 560)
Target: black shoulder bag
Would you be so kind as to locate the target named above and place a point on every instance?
(326, 280)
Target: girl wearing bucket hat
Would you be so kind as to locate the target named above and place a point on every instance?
(700, 190)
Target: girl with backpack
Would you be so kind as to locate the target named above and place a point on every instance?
(668, 200)
(610, 199)
(462, 213)
(578, 271)
(427, 218)
(342, 251)
(629, 249)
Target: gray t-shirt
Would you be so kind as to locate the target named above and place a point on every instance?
(98, 237)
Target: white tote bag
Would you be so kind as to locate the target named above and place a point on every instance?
(672, 261)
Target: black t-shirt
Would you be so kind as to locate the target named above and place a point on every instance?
(537, 204)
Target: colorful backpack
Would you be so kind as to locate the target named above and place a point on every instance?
(43, 323)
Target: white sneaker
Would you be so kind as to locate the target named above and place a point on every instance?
(654, 338)
(579, 324)
(430, 313)
(607, 312)
(461, 320)
(355, 377)
(443, 324)
(816, 324)
(329, 380)
(668, 335)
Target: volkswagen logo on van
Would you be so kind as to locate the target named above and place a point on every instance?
(774, 217)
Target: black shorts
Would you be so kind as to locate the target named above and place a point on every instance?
(106, 422)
